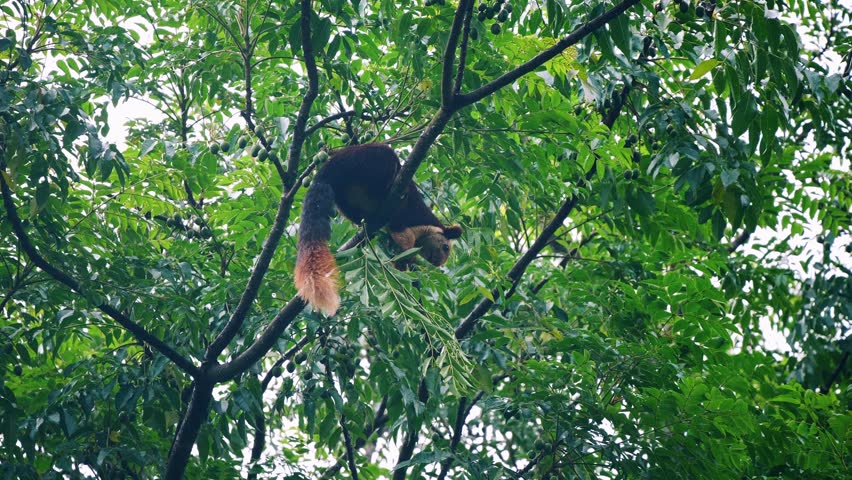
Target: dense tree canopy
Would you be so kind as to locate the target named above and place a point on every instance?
(654, 277)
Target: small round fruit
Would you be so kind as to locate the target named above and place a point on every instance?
(255, 150)
(474, 34)
(508, 7)
(258, 130)
(225, 146)
(482, 7)
(502, 16)
(482, 15)
(18, 370)
(291, 367)
(684, 7)
(635, 173)
(699, 11)
(243, 141)
(637, 157)
(306, 182)
(652, 52)
(214, 149)
(262, 155)
(496, 28)
(628, 174)
(320, 157)
(300, 357)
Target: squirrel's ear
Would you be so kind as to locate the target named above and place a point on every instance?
(453, 231)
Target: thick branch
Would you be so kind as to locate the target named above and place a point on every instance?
(540, 59)
(262, 265)
(299, 132)
(741, 239)
(447, 90)
(196, 415)
(264, 342)
(463, 50)
(134, 328)
(574, 253)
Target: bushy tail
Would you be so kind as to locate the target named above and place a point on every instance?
(316, 270)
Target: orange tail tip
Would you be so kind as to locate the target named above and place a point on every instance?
(316, 278)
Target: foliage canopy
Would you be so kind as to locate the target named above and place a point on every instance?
(649, 190)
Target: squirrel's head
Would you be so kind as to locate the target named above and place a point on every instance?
(435, 243)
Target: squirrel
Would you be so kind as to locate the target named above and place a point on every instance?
(357, 179)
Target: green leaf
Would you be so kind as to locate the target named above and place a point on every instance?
(703, 68)
(743, 114)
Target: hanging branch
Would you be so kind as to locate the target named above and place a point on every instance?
(461, 420)
(341, 419)
(259, 420)
(379, 420)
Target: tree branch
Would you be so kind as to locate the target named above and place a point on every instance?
(379, 421)
(299, 132)
(262, 266)
(134, 328)
(574, 253)
(514, 275)
(187, 434)
(410, 441)
(463, 49)
(461, 418)
(260, 430)
(259, 348)
(539, 60)
(447, 90)
(340, 115)
(741, 239)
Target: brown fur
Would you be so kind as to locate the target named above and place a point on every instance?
(357, 180)
(317, 278)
